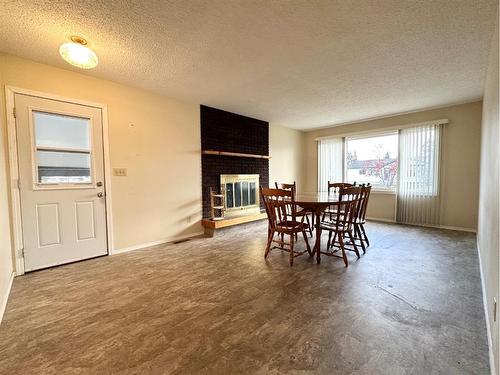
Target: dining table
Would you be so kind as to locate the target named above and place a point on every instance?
(317, 203)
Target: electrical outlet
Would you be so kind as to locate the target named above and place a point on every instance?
(119, 171)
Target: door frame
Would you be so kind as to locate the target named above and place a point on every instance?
(13, 184)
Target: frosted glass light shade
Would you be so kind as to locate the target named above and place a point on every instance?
(78, 55)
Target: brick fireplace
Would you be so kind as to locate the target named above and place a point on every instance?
(225, 132)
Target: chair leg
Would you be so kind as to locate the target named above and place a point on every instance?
(361, 241)
(270, 236)
(329, 243)
(344, 255)
(353, 244)
(309, 224)
(334, 239)
(304, 234)
(364, 234)
(291, 248)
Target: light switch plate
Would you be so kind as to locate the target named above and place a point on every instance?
(119, 171)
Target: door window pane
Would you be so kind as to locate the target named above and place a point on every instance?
(63, 167)
(63, 149)
(59, 131)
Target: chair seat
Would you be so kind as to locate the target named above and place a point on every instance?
(291, 225)
(332, 226)
(332, 217)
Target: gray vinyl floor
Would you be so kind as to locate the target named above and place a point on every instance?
(411, 305)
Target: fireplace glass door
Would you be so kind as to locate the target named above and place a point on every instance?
(241, 194)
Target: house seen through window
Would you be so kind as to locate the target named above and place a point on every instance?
(373, 160)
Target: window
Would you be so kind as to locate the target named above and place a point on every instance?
(419, 162)
(63, 153)
(372, 160)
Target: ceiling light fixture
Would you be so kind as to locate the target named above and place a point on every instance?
(76, 53)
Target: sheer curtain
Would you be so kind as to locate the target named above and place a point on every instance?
(418, 189)
(330, 161)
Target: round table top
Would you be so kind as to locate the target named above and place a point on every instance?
(318, 198)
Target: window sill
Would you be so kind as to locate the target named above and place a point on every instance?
(382, 191)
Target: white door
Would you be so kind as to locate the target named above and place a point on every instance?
(61, 177)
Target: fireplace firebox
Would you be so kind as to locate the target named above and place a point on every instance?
(241, 193)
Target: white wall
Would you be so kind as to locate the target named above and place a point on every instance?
(155, 137)
(6, 264)
(459, 156)
(489, 224)
(286, 147)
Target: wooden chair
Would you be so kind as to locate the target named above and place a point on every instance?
(280, 208)
(301, 213)
(360, 220)
(335, 188)
(342, 224)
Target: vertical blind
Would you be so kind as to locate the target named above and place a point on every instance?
(330, 161)
(418, 188)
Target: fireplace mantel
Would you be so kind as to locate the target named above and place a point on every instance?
(237, 154)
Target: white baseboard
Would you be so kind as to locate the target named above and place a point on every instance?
(448, 227)
(486, 313)
(5, 296)
(461, 229)
(380, 219)
(154, 243)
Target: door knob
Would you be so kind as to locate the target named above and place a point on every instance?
(100, 195)
(99, 184)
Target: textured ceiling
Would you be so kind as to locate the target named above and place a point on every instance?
(300, 63)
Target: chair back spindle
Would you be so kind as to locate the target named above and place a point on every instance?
(280, 205)
(349, 211)
(337, 187)
(363, 202)
(286, 186)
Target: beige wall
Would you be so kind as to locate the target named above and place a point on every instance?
(286, 149)
(488, 226)
(6, 264)
(156, 138)
(460, 161)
